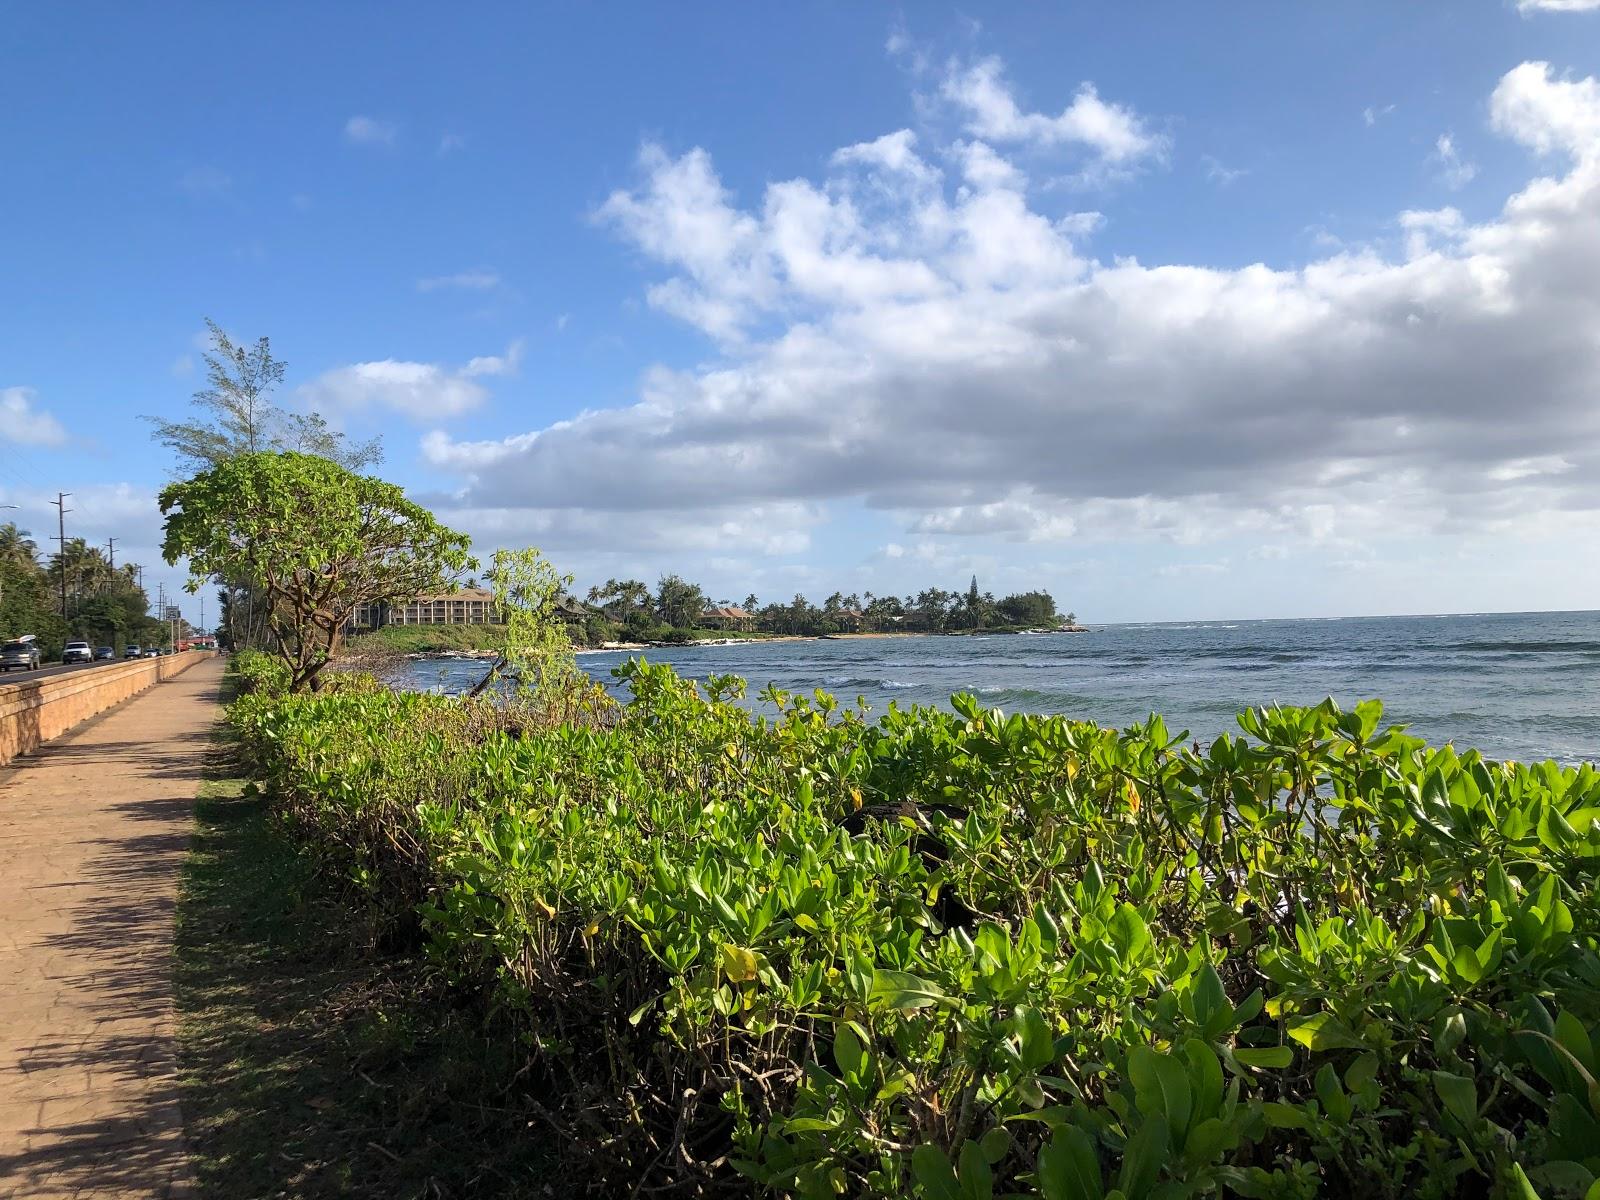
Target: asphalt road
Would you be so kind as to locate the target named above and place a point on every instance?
(18, 676)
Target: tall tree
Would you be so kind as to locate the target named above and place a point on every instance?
(678, 602)
(312, 540)
(237, 416)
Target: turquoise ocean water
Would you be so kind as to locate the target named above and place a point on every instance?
(1514, 685)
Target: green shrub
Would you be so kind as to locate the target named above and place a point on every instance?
(255, 672)
(964, 954)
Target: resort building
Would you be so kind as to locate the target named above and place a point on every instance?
(470, 606)
(727, 616)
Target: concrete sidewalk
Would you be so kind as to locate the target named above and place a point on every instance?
(93, 830)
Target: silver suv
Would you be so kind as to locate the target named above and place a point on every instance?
(77, 652)
(22, 652)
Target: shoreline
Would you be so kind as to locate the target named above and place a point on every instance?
(615, 647)
(876, 635)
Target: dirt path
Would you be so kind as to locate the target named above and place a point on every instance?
(93, 829)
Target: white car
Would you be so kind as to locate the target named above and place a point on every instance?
(77, 652)
(20, 652)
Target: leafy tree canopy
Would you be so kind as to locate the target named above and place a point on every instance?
(314, 539)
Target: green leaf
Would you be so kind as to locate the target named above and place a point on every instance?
(996, 1143)
(977, 1176)
(1459, 1096)
(899, 989)
(1160, 1086)
(1205, 1079)
(1323, 1031)
(930, 1167)
(1129, 933)
(847, 1052)
(1268, 1057)
(1143, 1158)
(1521, 1189)
(1068, 1167)
(1285, 1116)
(1207, 1140)
(1037, 1044)
(1334, 1101)
(1575, 1038)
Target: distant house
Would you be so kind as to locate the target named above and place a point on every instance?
(571, 610)
(850, 620)
(470, 606)
(727, 616)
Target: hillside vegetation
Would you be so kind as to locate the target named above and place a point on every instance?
(963, 954)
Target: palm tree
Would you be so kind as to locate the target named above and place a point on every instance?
(17, 546)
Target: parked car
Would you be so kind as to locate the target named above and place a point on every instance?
(104, 654)
(77, 652)
(132, 652)
(20, 652)
(153, 652)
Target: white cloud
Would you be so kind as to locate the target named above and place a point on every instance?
(1548, 114)
(420, 391)
(1528, 6)
(1372, 114)
(496, 364)
(946, 354)
(480, 279)
(1219, 174)
(370, 132)
(1114, 132)
(23, 422)
(1455, 171)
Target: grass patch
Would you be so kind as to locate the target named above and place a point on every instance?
(313, 1064)
(429, 639)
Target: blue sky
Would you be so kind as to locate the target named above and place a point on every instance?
(1180, 312)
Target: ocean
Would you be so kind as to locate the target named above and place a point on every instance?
(1513, 685)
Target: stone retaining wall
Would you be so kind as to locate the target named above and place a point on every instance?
(34, 711)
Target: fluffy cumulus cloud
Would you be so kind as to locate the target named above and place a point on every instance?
(915, 332)
(423, 392)
(1527, 6)
(1113, 132)
(22, 421)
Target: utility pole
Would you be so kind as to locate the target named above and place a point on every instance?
(111, 555)
(61, 539)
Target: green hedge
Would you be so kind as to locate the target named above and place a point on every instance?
(963, 954)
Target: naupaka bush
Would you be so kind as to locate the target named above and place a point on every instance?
(963, 954)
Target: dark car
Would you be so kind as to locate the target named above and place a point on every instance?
(131, 652)
(104, 654)
(77, 652)
(21, 652)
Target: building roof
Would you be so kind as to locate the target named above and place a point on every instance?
(731, 612)
(463, 594)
